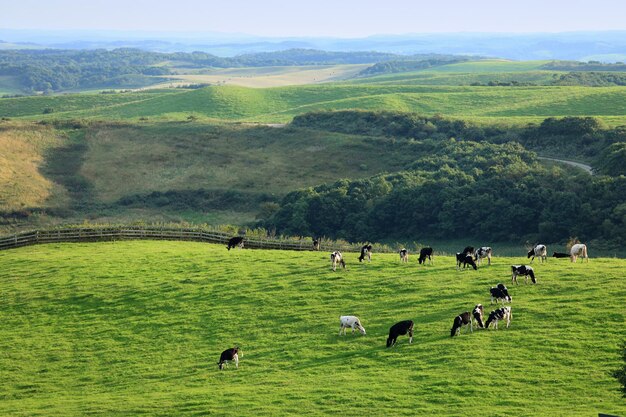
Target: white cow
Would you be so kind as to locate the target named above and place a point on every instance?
(350, 321)
(579, 249)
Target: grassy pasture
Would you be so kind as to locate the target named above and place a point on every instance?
(264, 77)
(281, 104)
(136, 328)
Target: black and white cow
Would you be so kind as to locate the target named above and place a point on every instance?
(404, 255)
(229, 355)
(503, 313)
(337, 259)
(539, 251)
(426, 253)
(465, 259)
(477, 312)
(461, 320)
(316, 244)
(398, 329)
(350, 321)
(366, 252)
(500, 293)
(560, 255)
(523, 270)
(483, 252)
(235, 241)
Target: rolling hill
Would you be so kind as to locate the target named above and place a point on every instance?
(513, 105)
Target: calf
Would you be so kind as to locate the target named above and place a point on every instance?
(350, 321)
(404, 255)
(229, 355)
(398, 329)
(539, 251)
(523, 270)
(503, 313)
(366, 252)
(484, 252)
(465, 259)
(560, 255)
(579, 249)
(335, 259)
(477, 312)
(500, 292)
(235, 241)
(461, 320)
(426, 253)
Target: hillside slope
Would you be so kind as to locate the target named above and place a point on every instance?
(131, 328)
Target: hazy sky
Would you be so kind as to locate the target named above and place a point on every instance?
(340, 18)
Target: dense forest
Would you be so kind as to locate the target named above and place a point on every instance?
(584, 138)
(471, 181)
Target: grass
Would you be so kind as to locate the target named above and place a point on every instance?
(279, 105)
(131, 328)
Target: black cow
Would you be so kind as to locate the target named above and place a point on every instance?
(560, 255)
(465, 259)
(366, 251)
(523, 270)
(500, 292)
(503, 313)
(235, 241)
(398, 329)
(229, 355)
(426, 253)
(477, 312)
(461, 320)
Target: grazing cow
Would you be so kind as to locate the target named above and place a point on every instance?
(316, 244)
(540, 251)
(229, 355)
(560, 255)
(398, 329)
(465, 259)
(468, 250)
(477, 312)
(426, 253)
(404, 255)
(579, 249)
(503, 313)
(500, 292)
(350, 321)
(461, 320)
(235, 241)
(483, 252)
(366, 252)
(523, 270)
(337, 258)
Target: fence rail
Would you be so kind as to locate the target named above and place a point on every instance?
(157, 233)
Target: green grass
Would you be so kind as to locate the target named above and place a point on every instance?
(281, 104)
(136, 328)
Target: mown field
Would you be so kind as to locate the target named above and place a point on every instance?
(510, 105)
(136, 328)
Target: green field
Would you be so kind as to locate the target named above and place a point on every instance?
(136, 328)
(279, 105)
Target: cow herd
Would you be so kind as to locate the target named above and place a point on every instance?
(468, 257)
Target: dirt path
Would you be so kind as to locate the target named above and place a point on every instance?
(585, 167)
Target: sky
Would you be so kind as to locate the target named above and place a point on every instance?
(315, 18)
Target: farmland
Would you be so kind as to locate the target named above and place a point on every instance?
(128, 328)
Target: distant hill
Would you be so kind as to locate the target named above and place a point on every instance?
(609, 46)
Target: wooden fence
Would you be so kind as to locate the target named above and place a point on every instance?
(158, 233)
